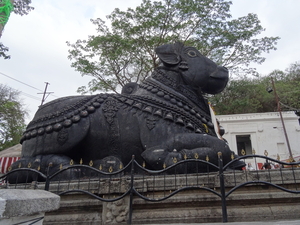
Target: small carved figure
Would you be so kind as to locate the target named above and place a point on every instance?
(163, 118)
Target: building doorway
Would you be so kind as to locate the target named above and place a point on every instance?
(243, 143)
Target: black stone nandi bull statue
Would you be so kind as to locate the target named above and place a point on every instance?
(164, 117)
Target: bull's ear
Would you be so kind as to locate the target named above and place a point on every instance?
(167, 54)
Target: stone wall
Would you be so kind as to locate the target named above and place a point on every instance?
(256, 202)
(247, 204)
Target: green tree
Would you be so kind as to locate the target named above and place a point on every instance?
(245, 95)
(288, 86)
(123, 50)
(19, 7)
(12, 115)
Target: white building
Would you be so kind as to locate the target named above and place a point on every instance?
(263, 131)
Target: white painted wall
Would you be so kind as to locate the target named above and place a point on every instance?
(266, 132)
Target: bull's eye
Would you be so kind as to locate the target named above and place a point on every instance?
(192, 53)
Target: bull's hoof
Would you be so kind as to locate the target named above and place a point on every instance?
(46, 164)
(109, 164)
(24, 176)
(238, 165)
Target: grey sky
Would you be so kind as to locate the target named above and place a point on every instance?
(37, 42)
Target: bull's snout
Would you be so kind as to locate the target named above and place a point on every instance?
(220, 72)
(224, 68)
(217, 81)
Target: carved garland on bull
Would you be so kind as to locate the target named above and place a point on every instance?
(183, 114)
(188, 117)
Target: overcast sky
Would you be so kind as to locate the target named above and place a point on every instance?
(37, 42)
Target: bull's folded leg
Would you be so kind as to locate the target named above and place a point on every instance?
(202, 153)
(189, 146)
(21, 176)
(46, 164)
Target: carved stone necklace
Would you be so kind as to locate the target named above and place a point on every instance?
(167, 88)
(179, 100)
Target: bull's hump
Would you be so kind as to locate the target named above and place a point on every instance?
(60, 108)
(60, 113)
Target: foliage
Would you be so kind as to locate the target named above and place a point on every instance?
(12, 115)
(3, 49)
(123, 50)
(21, 7)
(247, 95)
(288, 88)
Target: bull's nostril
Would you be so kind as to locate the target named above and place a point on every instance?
(183, 65)
(220, 73)
(222, 68)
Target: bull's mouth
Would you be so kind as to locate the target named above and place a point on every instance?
(220, 73)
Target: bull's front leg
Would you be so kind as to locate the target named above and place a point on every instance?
(187, 146)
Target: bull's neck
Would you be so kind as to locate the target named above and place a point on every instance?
(171, 80)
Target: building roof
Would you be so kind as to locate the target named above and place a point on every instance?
(14, 151)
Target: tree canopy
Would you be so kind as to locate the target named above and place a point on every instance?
(12, 117)
(22, 7)
(123, 49)
(250, 95)
(19, 7)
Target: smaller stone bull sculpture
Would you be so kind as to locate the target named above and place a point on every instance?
(163, 118)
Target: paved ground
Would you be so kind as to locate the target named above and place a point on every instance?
(283, 222)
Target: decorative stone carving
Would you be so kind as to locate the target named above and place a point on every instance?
(116, 212)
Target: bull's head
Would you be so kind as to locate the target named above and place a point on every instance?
(197, 70)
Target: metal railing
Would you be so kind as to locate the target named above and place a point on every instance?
(136, 180)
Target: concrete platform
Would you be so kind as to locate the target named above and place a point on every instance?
(26, 206)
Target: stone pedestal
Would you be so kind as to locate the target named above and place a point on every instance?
(257, 202)
(26, 206)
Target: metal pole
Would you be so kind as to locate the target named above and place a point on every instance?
(222, 188)
(47, 184)
(43, 99)
(44, 94)
(282, 121)
(131, 191)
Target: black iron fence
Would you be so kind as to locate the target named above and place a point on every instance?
(136, 180)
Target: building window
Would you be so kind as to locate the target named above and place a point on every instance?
(243, 143)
